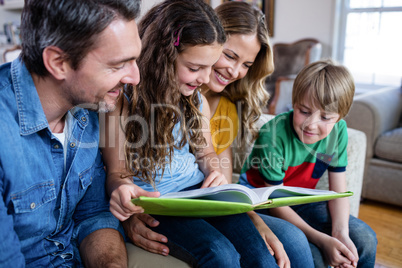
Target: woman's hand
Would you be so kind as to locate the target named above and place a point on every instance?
(275, 246)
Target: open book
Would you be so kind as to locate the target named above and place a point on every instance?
(231, 199)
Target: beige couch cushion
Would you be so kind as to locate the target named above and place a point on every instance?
(389, 145)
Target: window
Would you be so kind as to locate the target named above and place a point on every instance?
(370, 40)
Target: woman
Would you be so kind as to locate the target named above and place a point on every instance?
(237, 84)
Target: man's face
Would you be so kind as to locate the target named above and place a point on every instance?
(103, 72)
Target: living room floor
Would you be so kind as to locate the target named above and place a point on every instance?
(386, 221)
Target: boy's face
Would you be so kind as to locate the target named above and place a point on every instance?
(312, 124)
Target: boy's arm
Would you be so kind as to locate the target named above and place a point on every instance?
(333, 249)
(207, 159)
(339, 210)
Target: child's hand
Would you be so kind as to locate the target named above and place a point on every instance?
(215, 178)
(120, 200)
(345, 239)
(336, 253)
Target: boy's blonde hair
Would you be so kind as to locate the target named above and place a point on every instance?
(326, 85)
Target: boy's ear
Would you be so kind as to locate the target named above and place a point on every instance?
(55, 62)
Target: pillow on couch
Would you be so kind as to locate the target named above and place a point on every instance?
(389, 145)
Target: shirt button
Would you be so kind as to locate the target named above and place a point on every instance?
(56, 146)
(84, 119)
(33, 205)
(72, 145)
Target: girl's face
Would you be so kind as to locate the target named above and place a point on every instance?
(312, 124)
(239, 53)
(193, 66)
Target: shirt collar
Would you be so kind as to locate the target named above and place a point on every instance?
(31, 116)
(30, 112)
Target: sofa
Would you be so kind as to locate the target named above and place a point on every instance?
(354, 171)
(378, 114)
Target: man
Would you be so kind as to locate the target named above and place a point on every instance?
(54, 210)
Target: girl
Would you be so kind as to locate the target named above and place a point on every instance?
(239, 77)
(168, 146)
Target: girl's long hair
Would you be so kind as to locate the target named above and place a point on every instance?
(249, 93)
(156, 105)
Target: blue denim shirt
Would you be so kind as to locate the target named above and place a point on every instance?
(46, 212)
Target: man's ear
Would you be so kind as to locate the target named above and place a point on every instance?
(55, 62)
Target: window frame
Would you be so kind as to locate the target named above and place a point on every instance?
(342, 11)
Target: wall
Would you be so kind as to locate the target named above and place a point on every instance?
(294, 19)
(9, 16)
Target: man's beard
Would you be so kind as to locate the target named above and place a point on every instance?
(104, 107)
(101, 106)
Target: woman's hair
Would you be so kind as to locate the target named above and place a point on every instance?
(166, 30)
(73, 26)
(249, 93)
(329, 87)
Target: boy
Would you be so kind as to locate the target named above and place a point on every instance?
(295, 149)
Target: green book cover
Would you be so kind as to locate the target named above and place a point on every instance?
(231, 199)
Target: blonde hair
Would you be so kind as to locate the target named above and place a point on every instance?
(249, 93)
(329, 87)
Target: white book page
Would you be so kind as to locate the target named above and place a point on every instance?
(227, 192)
(266, 193)
(240, 193)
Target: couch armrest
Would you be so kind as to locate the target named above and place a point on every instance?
(374, 113)
(354, 171)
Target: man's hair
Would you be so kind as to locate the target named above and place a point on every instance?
(326, 85)
(71, 25)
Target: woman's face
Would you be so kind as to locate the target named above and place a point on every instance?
(193, 66)
(239, 53)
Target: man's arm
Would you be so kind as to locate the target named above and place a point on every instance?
(104, 248)
(96, 229)
(10, 248)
